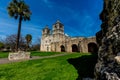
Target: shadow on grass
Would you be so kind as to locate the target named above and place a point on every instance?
(84, 65)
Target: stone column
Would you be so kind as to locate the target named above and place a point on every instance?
(84, 46)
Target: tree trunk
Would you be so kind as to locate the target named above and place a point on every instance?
(27, 46)
(18, 34)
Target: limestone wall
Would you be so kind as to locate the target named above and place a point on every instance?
(108, 66)
(81, 43)
(57, 41)
(20, 55)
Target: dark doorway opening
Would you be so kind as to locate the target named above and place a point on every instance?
(92, 48)
(47, 48)
(74, 48)
(62, 48)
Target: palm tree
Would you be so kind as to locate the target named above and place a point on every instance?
(28, 38)
(19, 10)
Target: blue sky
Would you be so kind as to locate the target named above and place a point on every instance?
(80, 17)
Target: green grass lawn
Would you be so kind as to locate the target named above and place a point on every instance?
(37, 53)
(33, 53)
(42, 69)
(4, 54)
(68, 67)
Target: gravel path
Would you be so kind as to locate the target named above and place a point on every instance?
(5, 60)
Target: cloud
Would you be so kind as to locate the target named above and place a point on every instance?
(72, 31)
(8, 23)
(3, 12)
(84, 24)
(77, 19)
(8, 28)
(32, 27)
(2, 9)
(48, 3)
(2, 37)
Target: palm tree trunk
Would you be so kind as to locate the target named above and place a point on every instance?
(18, 34)
(27, 46)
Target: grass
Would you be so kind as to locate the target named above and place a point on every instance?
(42, 69)
(37, 53)
(84, 65)
(69, 67)
(4, 54)
(33, 53)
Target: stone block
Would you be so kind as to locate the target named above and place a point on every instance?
(20, 55)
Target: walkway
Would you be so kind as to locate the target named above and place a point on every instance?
(5, 60)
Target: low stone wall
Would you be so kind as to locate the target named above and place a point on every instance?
(19, 55)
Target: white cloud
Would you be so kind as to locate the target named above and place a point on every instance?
(84, 21)
(31, 29)
(3, 12)
(48, 3)
(2, 37)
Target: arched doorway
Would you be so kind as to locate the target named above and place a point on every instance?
(74, 48)
(47, 48)
(92, 47)
(62, 48)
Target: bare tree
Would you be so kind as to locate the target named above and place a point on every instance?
(1, 45)
(36, 45)
(10, 41)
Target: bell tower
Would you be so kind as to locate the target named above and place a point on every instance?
(58, 30)
(45, 32)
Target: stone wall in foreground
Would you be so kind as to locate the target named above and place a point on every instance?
(20, 55)
(108, 66)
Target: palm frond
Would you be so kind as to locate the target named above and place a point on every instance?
(18, 8)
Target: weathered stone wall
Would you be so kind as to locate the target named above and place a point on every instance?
(58, 41)
(108, 66)
(19, 55)
(80, 42)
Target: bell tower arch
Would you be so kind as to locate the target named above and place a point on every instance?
(45, 32)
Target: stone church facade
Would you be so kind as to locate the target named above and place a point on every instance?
(55, 40)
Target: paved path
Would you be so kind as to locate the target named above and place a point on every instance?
(5, 60)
